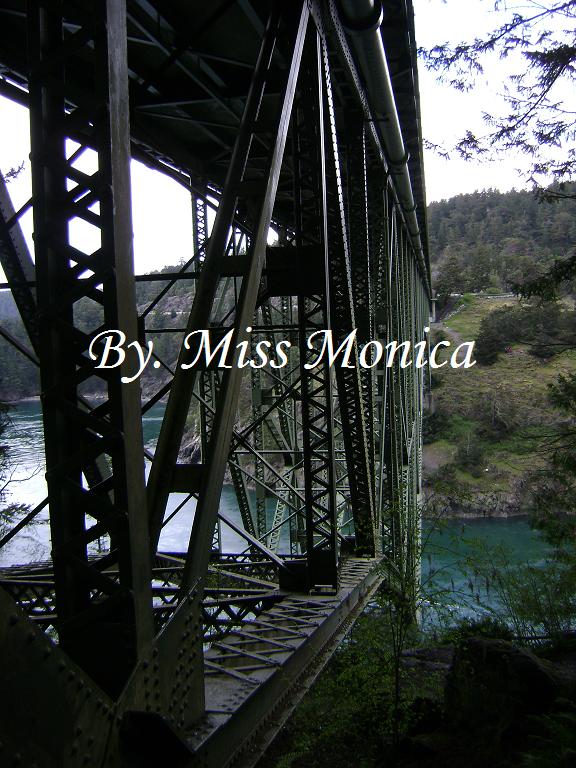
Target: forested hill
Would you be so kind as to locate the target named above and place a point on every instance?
(19, 377)
(487, 240)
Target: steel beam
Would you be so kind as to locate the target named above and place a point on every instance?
(104, 625)
(181, 657)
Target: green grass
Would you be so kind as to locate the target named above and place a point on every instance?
(467, 321)
(522, 441)
(459, 427)
(437, 454)
(476, 400)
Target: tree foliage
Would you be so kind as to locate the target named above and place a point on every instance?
(539, 41)
(553, 491)
(493, 241)
(12, 173)
(545, 328)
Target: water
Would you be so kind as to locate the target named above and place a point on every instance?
(444, 564)
(458, 556)
(28, 486)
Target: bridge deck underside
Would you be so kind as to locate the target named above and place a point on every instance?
(258, 662)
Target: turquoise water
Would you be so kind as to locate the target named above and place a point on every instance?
(445, 571)
(25, 442)
(459, 556)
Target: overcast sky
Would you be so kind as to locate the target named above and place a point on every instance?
(161, 207)
(447, 113)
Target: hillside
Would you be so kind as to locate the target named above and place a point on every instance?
(19, 377)
(490, 239)
(490, 424)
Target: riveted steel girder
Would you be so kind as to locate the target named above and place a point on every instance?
(258, 109)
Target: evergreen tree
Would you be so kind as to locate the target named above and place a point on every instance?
(554, 490)
(451, 277)
(537, 119)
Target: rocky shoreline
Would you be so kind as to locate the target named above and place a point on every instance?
(495, 504)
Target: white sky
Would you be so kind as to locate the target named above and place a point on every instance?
(161, 210)
(447, 113)
(161, 207)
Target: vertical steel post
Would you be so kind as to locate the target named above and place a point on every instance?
(103, 623)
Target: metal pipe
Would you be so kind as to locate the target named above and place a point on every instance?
(362, 19)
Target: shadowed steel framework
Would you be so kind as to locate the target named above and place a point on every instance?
(296, 117)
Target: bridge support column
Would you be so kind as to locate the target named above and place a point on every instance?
(104, 619)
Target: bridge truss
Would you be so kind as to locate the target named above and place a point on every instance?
(271, 115)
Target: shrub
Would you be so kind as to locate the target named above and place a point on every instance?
(554, 744)
(546, 328)
(487, 626)
(434, 427)
(470, 455)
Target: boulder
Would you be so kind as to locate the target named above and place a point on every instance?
(494, 681)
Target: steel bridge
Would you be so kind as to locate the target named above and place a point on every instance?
(300, 118)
